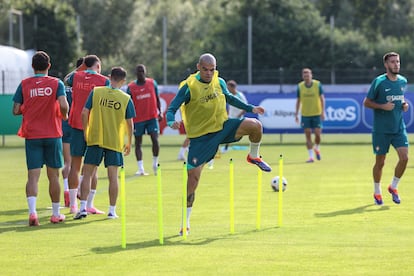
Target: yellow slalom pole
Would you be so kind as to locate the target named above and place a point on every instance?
(184, 219)
(231, 179)
(259, 198)
(160, 213)
(123, 215)
(280, 213)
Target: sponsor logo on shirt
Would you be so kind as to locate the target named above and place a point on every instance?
(110, 103)
(143, 96)
(41, 92)
(392, 98)
(209, 97)
(85, 86)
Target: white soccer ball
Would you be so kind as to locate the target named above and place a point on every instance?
(275, 184)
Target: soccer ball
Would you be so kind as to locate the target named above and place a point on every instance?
(275, 183)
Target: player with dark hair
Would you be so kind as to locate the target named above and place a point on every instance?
(144, 94)
(106, 140)
(41, 100)
(386, 98)
(82, 83)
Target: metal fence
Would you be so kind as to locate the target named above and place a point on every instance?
(281, 76)
(9, 80)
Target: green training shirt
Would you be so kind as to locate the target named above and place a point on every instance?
(383, 90)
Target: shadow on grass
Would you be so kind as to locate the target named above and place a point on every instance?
(21, 225)
(173, 240)
(13, 212)
(104, 177)
(357, 210)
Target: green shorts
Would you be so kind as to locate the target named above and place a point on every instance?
(95, 154)
(381, 141)
(77, 143)
(311, 122)
(149, 126)
(46, 151)
(67, 132)
(202, 149)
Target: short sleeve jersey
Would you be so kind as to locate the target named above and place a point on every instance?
(40, 109)
(384, 90)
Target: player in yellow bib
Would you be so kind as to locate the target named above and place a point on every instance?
(106, 119)
(311, 102)
(202, 98)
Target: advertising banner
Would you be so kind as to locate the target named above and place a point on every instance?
(344, 113)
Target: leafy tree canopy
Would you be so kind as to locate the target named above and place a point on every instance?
(287, 35)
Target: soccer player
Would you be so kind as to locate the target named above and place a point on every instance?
(67, 134)
(311, 101)
(107, 112)
(82, 83)
(386, 98)
(41, 100)
(144, 94)
(235, 112)
(204, 95)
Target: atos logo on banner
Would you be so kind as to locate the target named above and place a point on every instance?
(341, 113)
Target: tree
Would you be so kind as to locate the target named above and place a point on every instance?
(104, 25)
(284, 35)
(374, 18)
(189, 30)
(49, 26)
(287, 35)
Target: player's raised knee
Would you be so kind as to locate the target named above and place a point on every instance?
(254, 123)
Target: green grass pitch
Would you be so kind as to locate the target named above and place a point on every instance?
(330, 223)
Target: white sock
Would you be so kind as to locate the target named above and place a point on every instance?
(188, 217)
(141, 165)
(65, 184)
(80, 181)
(55, 209)
(31, 202)
(310, 152)
(316, 147)
(155, 162)
(91, 196)
(112, 210)
(394, 183)
(82, 205)
(254, 150)
(72, 197)
(377, 188)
